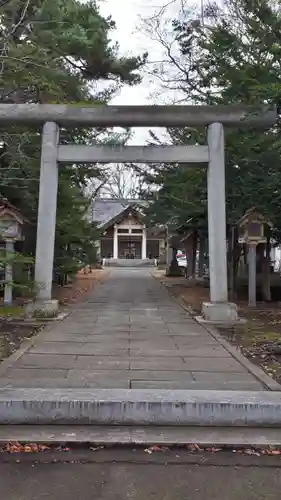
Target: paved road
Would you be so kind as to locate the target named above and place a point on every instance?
(136, 481)
(129, 334)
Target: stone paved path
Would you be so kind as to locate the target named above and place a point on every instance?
(129, 334)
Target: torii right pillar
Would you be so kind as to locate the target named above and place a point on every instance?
(218, 310)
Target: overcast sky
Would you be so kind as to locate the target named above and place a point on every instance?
(127, 14)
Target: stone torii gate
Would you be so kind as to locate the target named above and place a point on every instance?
(213, 117)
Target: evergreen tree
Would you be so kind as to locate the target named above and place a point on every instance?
(57, 51)
(233, 57)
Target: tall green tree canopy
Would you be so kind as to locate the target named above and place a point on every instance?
(57, 51)
(231, 57)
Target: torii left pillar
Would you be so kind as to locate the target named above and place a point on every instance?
(218, 310)
(46, 224)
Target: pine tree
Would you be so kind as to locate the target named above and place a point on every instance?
(57, 51)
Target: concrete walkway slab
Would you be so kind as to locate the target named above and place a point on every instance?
(130, 334)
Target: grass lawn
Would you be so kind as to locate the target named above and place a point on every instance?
(11, 311)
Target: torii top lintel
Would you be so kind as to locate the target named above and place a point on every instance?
(139, 116)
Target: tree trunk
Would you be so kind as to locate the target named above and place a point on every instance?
(174, 269)
(235, 260)
(194, 255)
(252, 275)
(189, 257)
(202, 247)
(265, 285)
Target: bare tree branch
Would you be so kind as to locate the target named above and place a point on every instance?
(22, 16)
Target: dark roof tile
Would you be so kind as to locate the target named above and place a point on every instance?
(103, 210)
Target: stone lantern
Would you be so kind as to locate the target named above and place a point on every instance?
(252, 228)
(11, 224)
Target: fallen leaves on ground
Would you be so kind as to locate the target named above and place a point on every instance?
(194, 447)
(155, 448)
(63, 448)
(74, 292)
(273, 452)
(213, 449)
(17, 447)
(252, 452)
(96, 448)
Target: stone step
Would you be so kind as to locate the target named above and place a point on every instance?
(129, 263)
(140, 407)
(142, 435)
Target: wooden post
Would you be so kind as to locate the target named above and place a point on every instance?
(252, 278)
(144, 244)
(115, 242)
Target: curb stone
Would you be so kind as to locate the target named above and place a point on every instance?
(257, 372)
(140, 407)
